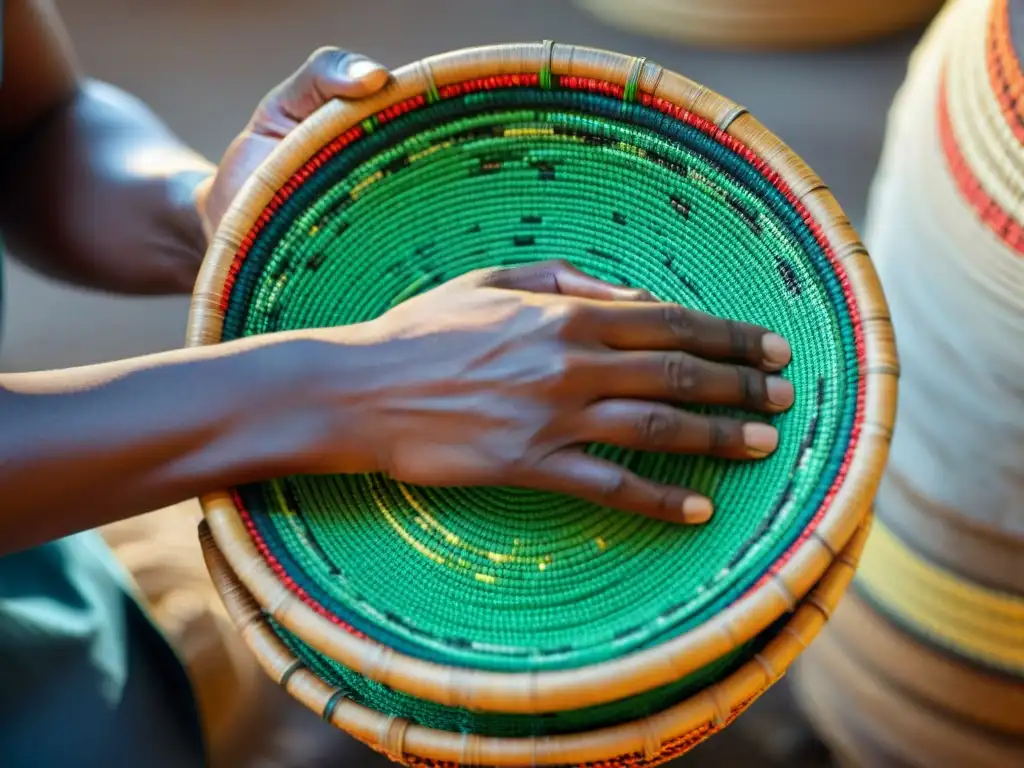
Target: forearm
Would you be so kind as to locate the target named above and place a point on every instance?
(82, 448)
(101, 194)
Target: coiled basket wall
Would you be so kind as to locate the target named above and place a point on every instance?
(492, 626)
(928, 651)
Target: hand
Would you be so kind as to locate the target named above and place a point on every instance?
(502, 377)
(328, 74)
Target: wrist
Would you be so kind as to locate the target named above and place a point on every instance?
(316, 404)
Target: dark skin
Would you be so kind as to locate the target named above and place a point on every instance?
(498, 377)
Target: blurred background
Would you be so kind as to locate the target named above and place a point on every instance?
(204, 64)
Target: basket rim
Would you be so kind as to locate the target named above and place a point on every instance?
(640, 671)
(716, 705)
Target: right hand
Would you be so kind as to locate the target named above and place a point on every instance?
(501, 377)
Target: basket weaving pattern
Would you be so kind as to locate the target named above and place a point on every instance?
(929, 653)
(765, 24)
(639, 744)
(519, 616)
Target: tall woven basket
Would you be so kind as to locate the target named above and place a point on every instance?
(929, 652)
(764, 24)
(491, 626)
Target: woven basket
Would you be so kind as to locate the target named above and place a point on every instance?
(930, 654)
(502, 627)
(764, 24)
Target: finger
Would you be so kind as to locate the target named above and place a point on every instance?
(576, 473)
(684, 378)
(663, 429)
(670, 326)
(561, 277)
(329, 73)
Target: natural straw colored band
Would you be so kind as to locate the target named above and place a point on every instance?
(633, 79)
(978, 550)
(552, 691)
(685, 724)
(545, 69)
(896, 678)
(979, 623)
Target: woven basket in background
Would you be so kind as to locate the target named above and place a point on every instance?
(485, 626)
(764, 24)
(924, 665)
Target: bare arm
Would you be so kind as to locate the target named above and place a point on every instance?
(97, 191)
(94, 188)
(557, 360)
(83, 447)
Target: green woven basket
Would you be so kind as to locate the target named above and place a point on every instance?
(510, 625)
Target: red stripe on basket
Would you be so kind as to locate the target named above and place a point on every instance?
(279, 570)
(1004, 68)
(991, 213)
(586, 84)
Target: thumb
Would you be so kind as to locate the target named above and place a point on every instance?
(329, 73)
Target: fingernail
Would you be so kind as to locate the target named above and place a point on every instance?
(360, 68)
(776, 350)
(697, 509)
(780, 391)
(760, 439)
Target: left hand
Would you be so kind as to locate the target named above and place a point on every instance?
(328, 73)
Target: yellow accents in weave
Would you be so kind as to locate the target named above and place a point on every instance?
(520, 132)
(974, 621)
(632, 149)
(398, 528)
(363, 185)
(427, 521)
(416, 156)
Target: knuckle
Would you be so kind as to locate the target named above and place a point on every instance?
(553, 373)
(740, 343)
(558, 369)
(753, 388)
(681, 373)
(563, 316)
(667, 501)
(522, 462)
(680, 323)
(613, 485)
(555, 265)
(326, 58)
(720, 437)
(484, 276)
(657, 428)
